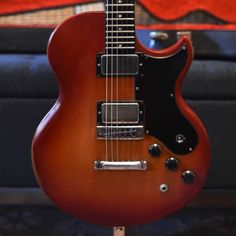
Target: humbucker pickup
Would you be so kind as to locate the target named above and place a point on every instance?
(118, 65)
(120, 120)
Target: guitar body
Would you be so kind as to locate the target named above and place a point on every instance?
(65, 146)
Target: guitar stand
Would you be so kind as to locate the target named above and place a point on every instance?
(119, 231)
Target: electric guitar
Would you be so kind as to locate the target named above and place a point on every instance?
(120, 146)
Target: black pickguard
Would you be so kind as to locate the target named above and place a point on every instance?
(163, 119)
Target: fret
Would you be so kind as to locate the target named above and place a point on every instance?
(120, 31)
(129, 4)
(118, 22)
(120, 25)
(119, 7)
(121, 19)
(121, 12)
(121, 55)
(119, 47)
(126, 37)
(119, 1)
(120, 43)
(120, 40)
(119, 28)
(119, 15)
(120, 34)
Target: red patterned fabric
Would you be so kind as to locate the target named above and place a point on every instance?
(187, 27)
(163, 9)
(15, 6)
(174, 9)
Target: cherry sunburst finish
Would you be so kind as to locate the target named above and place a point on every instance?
(120, 146)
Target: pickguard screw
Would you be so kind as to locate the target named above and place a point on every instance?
(137, 88)
(142, 75)
(98, 65)
(147, 131)
(171, 95)
(141, 112)
(184, 47)
(99, 113)
(141, 64)
(190, 149)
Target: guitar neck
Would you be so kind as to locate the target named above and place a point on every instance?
(120, 27)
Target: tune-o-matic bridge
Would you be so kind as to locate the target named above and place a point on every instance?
(120, 120)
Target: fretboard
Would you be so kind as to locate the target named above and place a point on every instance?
(120, 27)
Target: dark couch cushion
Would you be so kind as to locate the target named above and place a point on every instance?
(214, 44)
(27, 76)
(211, 79)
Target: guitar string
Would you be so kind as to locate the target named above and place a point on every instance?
(123, 8)
(127, 78)
(106, 52)
(122, 85)
(123, 69)
(133, 64)
(117, 87)
(133, 15)
(127, 69)
(111, 107)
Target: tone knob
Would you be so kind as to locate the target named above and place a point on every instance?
(171, 163)
(188, 176)
(154, 150)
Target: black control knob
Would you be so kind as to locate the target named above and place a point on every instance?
(188, 176)
(154, 150)
(171, 163)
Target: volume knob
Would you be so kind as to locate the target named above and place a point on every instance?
(154, 150)
(188, 176)
(171, 163)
